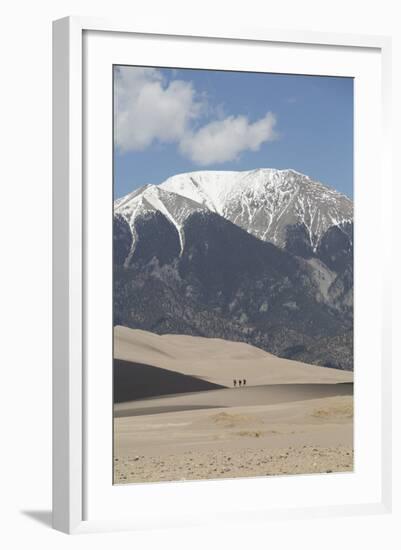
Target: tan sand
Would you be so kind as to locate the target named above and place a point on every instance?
(193, 465)
(285, 438)
(232, 397)
(290, 417)
(218, 361)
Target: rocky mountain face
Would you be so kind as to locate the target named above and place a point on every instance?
(264, 257)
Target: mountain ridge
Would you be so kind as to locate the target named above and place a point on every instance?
(264, 202)
(182, 267)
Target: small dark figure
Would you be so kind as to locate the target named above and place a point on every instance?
(235, 383)
(244, 382)
(239, 382)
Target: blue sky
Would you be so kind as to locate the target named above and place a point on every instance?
(169, 121)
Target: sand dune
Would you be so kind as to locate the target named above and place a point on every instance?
(218, 361)
(177, 416)
(135, 380)
(232, 397)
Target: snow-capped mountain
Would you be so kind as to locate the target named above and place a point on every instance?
(264, 257)
(265, 202)
(152, 198)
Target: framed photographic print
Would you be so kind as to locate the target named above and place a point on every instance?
(219, 266)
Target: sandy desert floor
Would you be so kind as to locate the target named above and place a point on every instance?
(291, 418)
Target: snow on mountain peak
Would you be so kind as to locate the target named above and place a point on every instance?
(263, 201)
(152, 198)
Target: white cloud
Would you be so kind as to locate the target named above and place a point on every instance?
(149, 109)
(224, 140)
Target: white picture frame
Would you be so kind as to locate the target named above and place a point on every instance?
(73, 475)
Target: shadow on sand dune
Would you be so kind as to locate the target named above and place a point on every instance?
(233, 397)
(138, 381)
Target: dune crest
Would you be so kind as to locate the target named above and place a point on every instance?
(218, 361)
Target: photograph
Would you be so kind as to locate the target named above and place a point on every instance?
(233, 259)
